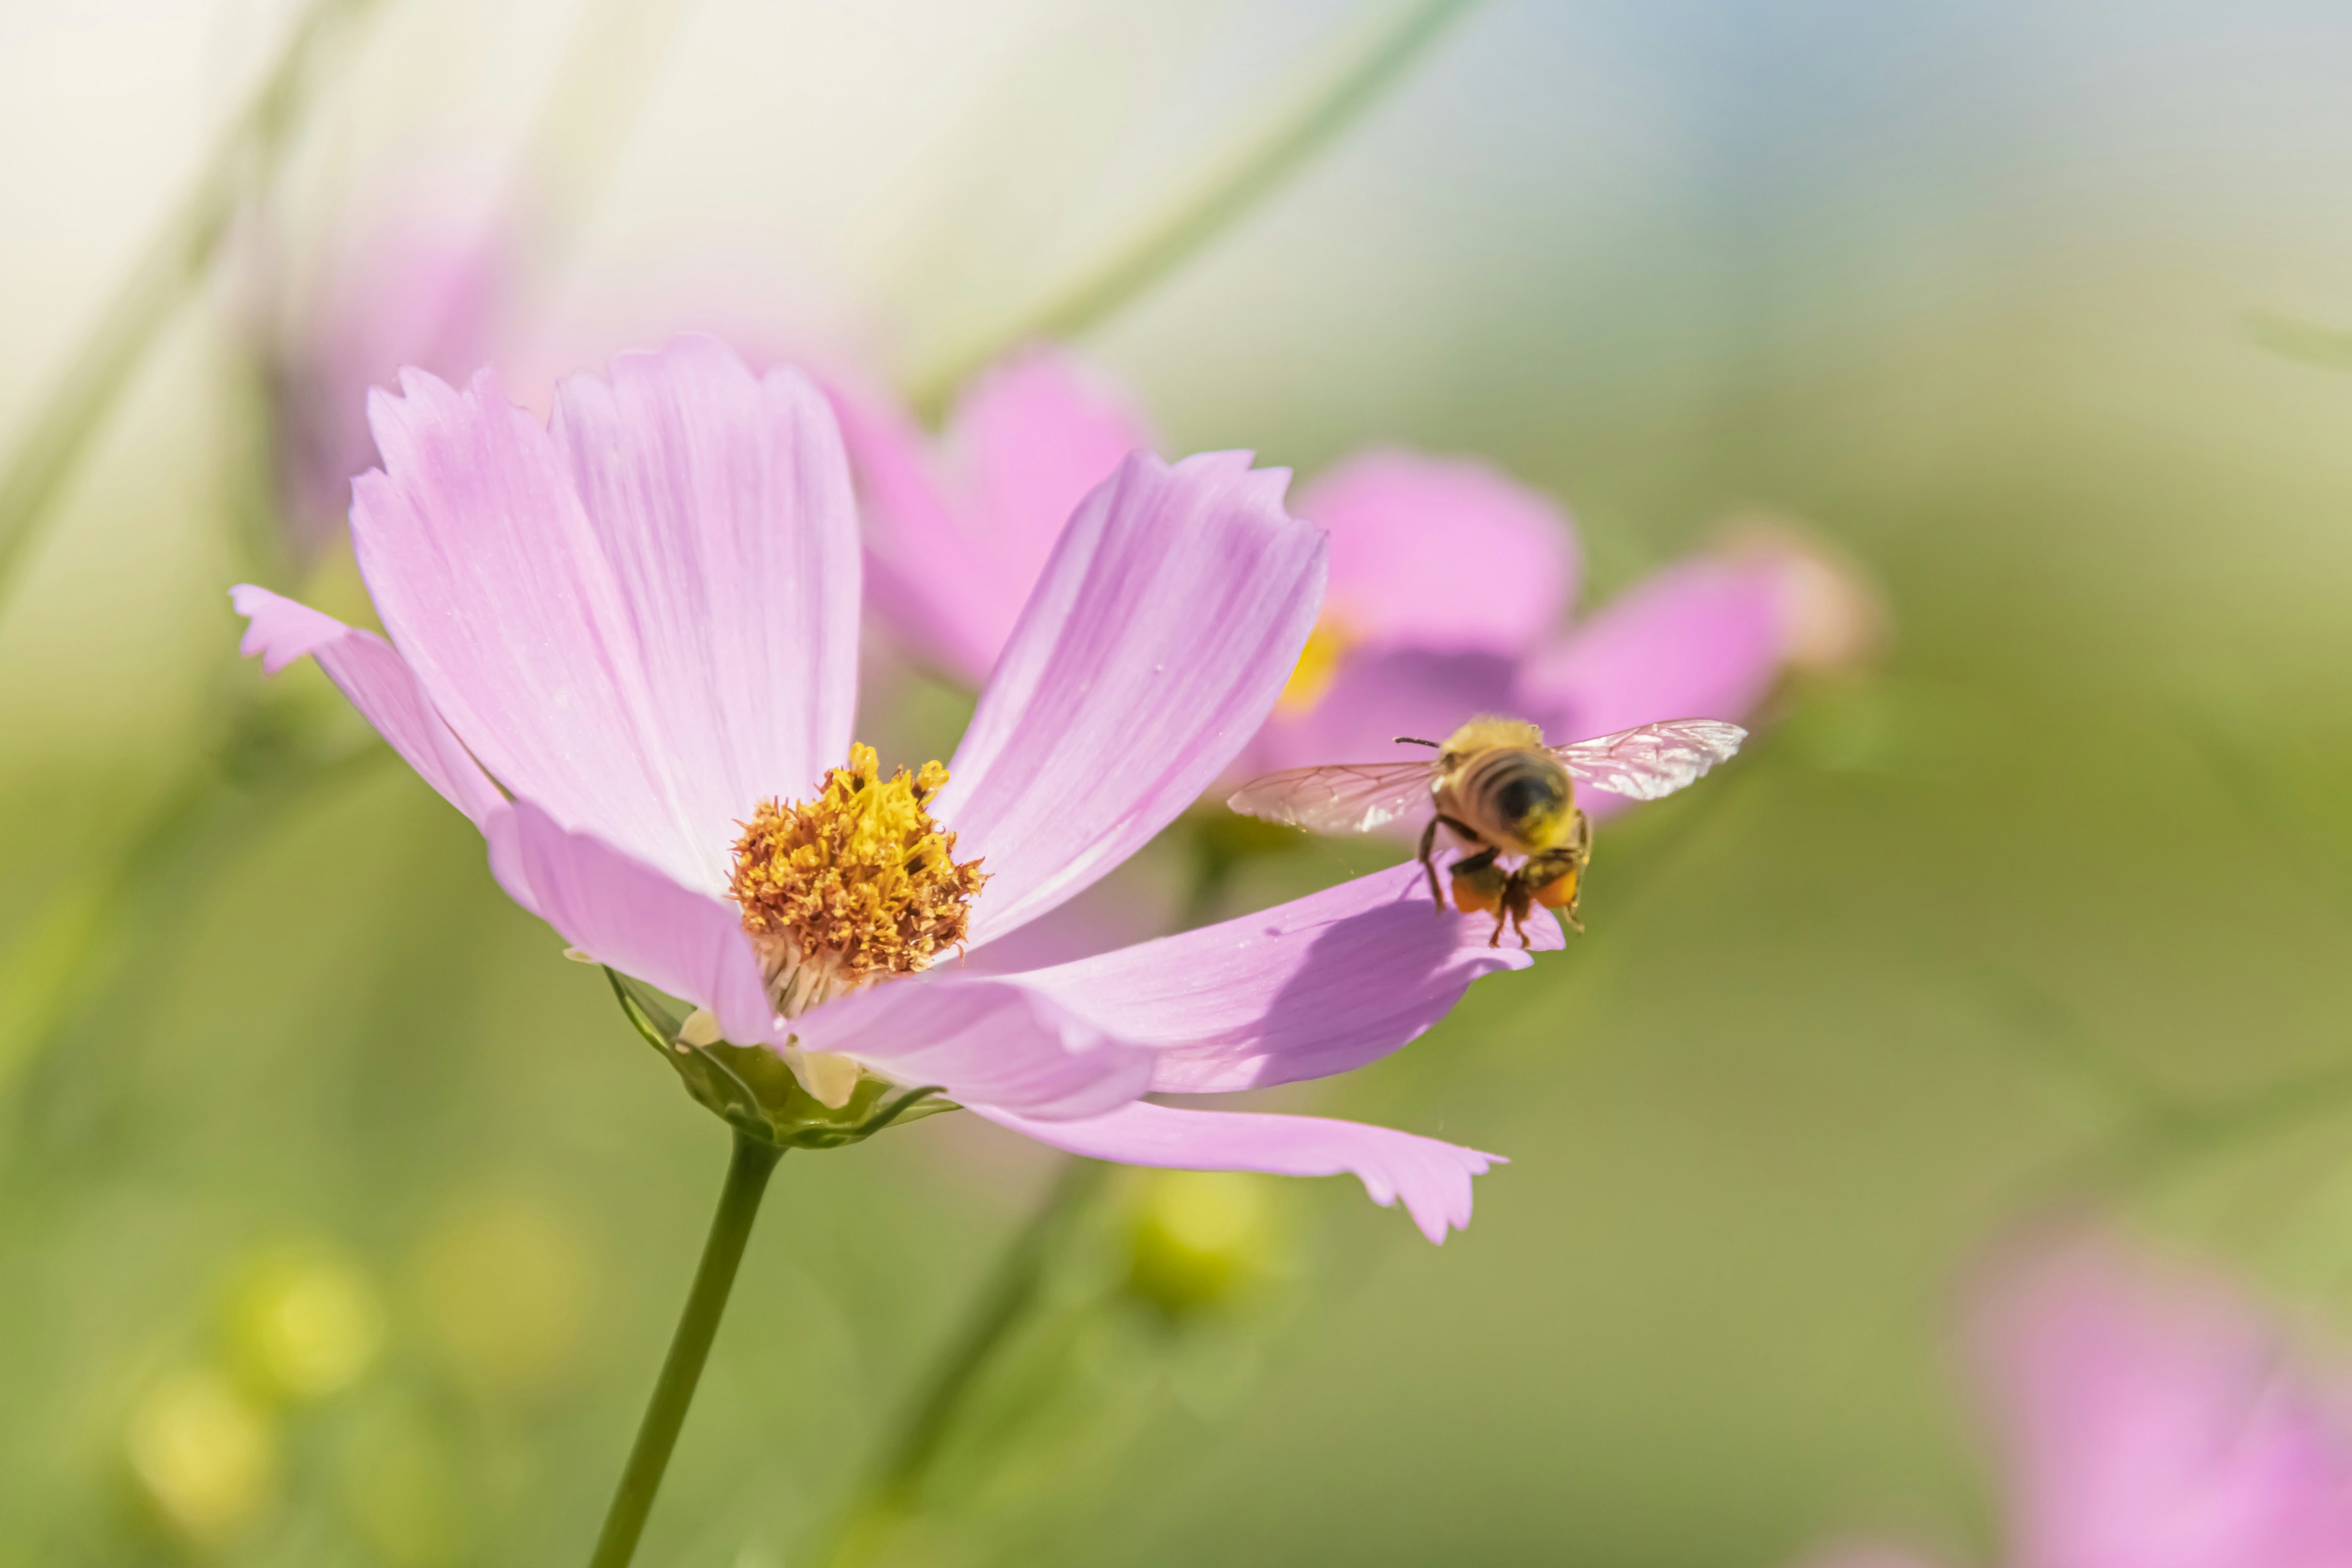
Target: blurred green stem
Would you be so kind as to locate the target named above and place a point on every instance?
(1214, 202)
(892, 1493)
(689, 1348)
(73, 411)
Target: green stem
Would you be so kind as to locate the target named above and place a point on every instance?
(689, 1347)
(1214, 203)
(72, 412)
(891, 1493)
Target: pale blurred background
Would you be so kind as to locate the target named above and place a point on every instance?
(2029, 306)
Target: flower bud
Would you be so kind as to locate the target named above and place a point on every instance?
(1199, 1238)
(1833, 616)
(304, 1325)
(203, 1456)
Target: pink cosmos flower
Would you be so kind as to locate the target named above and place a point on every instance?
(2152, 1417)
(642, 622)
(1449, 582)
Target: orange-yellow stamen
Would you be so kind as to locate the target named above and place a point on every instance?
(855, 885)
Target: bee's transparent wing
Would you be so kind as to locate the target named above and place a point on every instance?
(1339, 797)
(1654, 760)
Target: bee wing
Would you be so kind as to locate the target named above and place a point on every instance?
(1339, 797)
(1654, 760)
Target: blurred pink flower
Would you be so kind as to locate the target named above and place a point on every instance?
(643, 621)
(415, 286)
(1450, 582)
(2150, 1417)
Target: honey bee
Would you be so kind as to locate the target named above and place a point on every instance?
(1495, 786)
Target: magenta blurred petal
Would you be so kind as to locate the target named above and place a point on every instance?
(1168, 619)
(722, 503)
(379, 684)
(621, 911)
(1316, 986)
(1442, 553)
(987, 1041)
(2154, 1419)
(1432, 1178)
(958, 538)
(1700, 639)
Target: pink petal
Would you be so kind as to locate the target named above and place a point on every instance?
(647, 662)
(495, 588)
(1698, 640)
(930, 575)
(985, 1041)
(622, 912)
(1171, 614)
(722, 501)
(2154, 1419)
(1309, 988)
(1379, 696)
(959, 542)
(379, 684)
(1432, 1178)
(1442, 552)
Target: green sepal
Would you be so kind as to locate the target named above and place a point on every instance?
(751, 1090)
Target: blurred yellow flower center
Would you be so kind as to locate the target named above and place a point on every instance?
(855, 885)
(1319, 664)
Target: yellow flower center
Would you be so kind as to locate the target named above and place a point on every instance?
(855, 885)
(1317, 667)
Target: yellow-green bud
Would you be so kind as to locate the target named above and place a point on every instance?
(204, 1455)
(304, 1325)
(1199, 1238)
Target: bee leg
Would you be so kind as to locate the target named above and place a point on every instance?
(1555, 878)
(1428, 860)
(1515, 901)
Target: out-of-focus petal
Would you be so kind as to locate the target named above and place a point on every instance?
(2154, 1419)
(495, 588)
(1443, 553)
(722, 501)
(1309, 988)
(1871, 1555)
(379, 684)
(1172, 611)
(1432, 1178)
(621, 911)
(929, 575)
(958, 540)
(985, 1041)
(1379, 696)
(1702, 639)
(1834, 618)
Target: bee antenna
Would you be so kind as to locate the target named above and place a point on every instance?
(1416, 741)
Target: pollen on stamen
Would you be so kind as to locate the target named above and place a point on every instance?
(855, 885)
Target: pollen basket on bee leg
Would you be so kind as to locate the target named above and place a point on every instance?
(857, 884)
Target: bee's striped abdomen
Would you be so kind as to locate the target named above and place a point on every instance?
(1522, 798)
